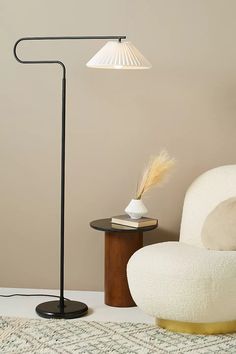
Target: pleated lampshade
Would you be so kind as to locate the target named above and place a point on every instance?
(118, 55)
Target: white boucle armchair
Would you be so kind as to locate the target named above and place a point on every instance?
(185, 286)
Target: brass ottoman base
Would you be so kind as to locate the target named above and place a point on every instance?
(197, 328)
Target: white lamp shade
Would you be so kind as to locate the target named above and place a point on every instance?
(118, 55)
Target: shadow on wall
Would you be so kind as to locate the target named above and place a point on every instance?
(159, 235)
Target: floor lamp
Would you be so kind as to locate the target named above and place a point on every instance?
(115, 54)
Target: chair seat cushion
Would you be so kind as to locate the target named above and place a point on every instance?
(176, 281)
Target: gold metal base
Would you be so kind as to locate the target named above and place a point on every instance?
(197, 328)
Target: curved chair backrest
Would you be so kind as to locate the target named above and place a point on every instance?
(204, 194)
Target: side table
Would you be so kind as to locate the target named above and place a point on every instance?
(120, 243)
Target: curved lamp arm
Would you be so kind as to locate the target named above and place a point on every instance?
(56, 38)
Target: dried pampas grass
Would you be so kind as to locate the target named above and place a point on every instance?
(157, 170)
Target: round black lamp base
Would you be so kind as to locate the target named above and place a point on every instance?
(71, 309)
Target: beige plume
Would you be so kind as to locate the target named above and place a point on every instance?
(157, 170)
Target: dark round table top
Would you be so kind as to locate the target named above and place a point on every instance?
(106, 225)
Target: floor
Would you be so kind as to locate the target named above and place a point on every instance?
(98, 311)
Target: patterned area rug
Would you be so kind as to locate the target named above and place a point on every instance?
(26, 336)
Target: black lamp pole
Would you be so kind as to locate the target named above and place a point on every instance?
(62, 308)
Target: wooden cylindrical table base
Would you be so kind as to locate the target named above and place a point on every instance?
(119, 247)
(120, 244)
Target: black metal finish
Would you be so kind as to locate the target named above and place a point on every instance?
(63, 158)
(71, 309)
(107, 226)
(119, 38)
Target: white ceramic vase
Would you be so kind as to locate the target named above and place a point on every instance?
(136, 209)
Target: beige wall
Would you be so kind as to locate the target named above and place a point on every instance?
(116, 119)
